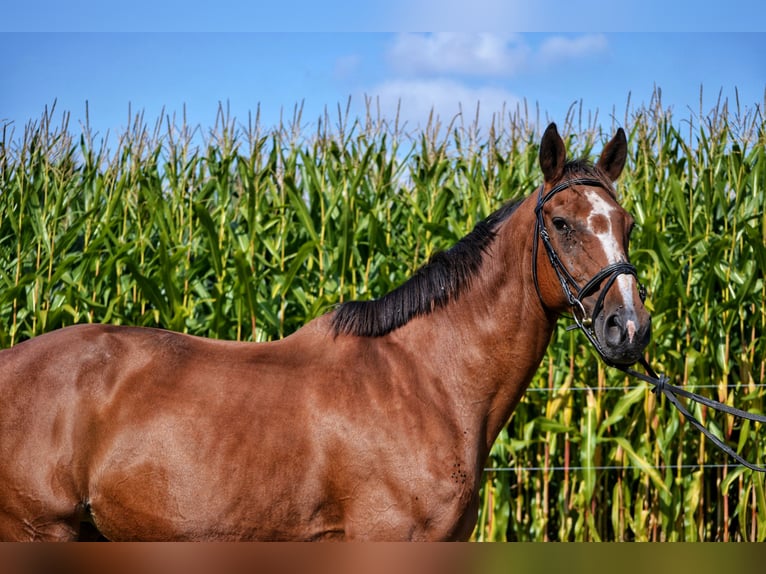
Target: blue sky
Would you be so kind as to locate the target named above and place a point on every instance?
(384, 15)
(112, 68)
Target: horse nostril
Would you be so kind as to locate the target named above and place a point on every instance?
(615, 330)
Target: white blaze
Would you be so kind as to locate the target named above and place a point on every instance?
(612, 248)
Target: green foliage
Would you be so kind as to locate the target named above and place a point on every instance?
(247, 234)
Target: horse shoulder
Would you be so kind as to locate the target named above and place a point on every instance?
(377, 411)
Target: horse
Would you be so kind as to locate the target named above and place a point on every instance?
(371, 422)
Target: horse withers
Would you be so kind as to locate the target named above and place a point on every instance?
(372, 422)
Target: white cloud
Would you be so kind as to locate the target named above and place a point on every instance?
(450, 74)
(560, 48)
(485, 54)
(415, 100)
(458, 53)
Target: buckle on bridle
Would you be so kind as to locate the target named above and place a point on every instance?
(583, 320)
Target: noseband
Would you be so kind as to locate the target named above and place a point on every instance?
(608, 274)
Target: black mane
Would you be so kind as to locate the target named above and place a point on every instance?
(446, 275)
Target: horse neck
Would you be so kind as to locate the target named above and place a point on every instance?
(488, 344)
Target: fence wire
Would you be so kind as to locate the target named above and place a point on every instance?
(610, 468)
(641, 386)
(618, 468)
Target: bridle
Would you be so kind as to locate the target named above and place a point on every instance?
(608, 275)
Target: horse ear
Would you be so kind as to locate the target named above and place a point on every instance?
(553, 155)
(613, 157)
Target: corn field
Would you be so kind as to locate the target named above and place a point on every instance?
(246, 233)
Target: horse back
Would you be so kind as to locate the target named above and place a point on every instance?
(160, 435)
(89, 410)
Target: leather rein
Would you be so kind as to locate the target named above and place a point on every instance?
(608, 275)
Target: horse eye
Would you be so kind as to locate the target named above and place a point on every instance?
(560, 224)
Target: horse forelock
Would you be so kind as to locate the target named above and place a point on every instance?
(584, 168)
(442, 279)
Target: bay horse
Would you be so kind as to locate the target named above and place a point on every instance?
(372, 422)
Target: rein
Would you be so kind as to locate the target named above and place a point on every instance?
(609, 275)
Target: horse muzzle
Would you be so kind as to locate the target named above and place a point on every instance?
(623, 334)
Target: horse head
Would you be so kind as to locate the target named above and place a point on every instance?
(585, 233)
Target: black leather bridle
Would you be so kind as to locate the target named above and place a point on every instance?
(608, 275)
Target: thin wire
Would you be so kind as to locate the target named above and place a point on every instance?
(580, 468)
(634, 387)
